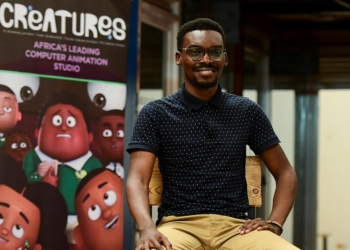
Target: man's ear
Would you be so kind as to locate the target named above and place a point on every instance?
(226, 59)
(178, 58)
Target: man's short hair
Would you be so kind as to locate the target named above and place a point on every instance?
(199, 24)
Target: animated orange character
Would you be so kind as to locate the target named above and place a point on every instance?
(19, 221)
(99, 203)
(31, 216)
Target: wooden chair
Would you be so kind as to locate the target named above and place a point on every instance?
(253, 176)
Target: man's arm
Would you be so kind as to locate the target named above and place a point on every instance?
(140, 172)
(285, 193)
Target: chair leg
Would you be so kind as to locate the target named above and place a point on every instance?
(252, 213)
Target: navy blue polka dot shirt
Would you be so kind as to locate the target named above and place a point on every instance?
(201, 148)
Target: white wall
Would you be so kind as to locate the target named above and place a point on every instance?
(282, 119)
(333, 168)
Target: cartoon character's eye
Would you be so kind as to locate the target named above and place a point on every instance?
(94, 212)
(120, 133)
(23, 145)
(107, 133)
(14, 145)
(7, 109)
(110, 197)
(107, 96)
(71, 121)
(57, 120)
(1, 219)
(26, 93)
(99, 101)
(17, 231)
(24, 86)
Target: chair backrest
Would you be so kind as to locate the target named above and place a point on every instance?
(253, 176)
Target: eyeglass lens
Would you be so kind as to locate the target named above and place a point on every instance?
(197, 53)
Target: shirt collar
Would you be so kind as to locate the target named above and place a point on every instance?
(76, 164)
(194, 103)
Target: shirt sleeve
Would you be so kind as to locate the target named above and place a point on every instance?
(262, 134)
(145, 135)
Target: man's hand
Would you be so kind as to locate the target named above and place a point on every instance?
(50, 177)
(259, 224)
(153, 239)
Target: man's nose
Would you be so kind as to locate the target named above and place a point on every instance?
(206, 57)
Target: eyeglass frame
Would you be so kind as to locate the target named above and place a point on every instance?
(206, 51)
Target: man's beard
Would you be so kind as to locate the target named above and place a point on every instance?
(205, 85)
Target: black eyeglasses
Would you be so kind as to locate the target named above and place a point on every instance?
(197, 53)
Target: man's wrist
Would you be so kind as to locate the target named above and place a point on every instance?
(272, 222)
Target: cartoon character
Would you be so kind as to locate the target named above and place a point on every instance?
(31, 216)
(99, 203)
(107, 96)
(12, 173)
(25, 87)
(19, 220)
(109, 140)
(9, 112)
(17, 145)
(62, 157)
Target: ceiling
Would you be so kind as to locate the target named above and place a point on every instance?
(327, 21)
(323, 25)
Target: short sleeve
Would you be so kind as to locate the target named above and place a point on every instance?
(145, 136)
(262, 134)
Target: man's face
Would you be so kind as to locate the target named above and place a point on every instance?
(110, 138)
(100, 211)
(17, 146)
(9, 113)
(19, 220)
(63, 133)
(205, 72)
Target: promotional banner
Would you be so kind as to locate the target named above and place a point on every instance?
(63, 72)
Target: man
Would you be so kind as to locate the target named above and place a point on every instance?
(99, 203)
(109, 140)
(9, 112)
(200, 135)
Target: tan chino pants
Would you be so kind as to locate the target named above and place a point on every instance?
(216, 232)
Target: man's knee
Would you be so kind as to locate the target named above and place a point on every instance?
(258, 240)
(180, 240)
